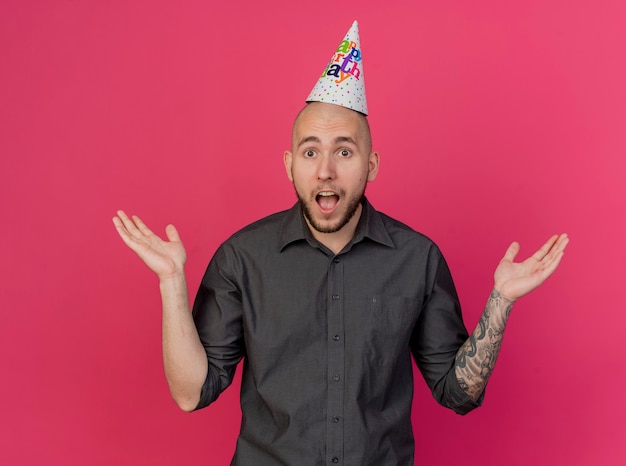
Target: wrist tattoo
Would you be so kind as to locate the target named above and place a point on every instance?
(477, 357)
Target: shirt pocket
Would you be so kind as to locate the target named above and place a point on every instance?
(391, 322)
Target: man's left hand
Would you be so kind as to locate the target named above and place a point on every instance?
(516, 279)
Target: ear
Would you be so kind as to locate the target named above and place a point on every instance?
(374, 163)
(287, 159)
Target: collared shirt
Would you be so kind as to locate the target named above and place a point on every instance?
(327, 339)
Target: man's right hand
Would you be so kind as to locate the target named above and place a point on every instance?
(184, 359)
(165, 258)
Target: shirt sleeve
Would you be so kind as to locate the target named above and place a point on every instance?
(217, 313)
(438, 335)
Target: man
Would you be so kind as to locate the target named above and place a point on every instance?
(326, 302)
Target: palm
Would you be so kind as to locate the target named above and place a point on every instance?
(165, 258)
(516, 279)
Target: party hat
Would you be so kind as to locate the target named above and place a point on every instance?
(341, 82)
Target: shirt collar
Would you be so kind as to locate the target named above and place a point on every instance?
(370, 226)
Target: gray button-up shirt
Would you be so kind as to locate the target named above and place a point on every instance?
(327, 339)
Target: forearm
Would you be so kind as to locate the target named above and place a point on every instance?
(184, 359)
(476, 359)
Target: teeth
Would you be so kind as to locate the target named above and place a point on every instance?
(326, 194)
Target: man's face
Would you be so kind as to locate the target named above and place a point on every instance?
(330, 164)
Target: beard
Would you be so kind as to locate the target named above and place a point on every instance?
(348, 213)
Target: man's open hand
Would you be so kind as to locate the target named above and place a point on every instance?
(515, 279)
(165, 258)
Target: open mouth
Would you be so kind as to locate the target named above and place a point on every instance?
(327, 200)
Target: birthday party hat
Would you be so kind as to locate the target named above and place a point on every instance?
(342, 82)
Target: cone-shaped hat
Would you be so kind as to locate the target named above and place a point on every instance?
(342, 82)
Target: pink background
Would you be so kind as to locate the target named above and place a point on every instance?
(496, 121)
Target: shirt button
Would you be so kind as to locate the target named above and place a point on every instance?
(335, 296)
(335, 420)
(335, 378)
(336, 337)
(336, 260)
(335, 459)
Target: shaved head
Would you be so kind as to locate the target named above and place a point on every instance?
(327, 111)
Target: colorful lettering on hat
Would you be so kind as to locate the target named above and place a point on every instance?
(341, 82)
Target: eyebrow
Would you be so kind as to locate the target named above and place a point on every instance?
(338, 139)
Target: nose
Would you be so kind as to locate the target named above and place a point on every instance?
(326, 168)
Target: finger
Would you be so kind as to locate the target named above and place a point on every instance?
(550, 267)
(172, 233)
(127, 223)
(557, 248)
(118, 221)
(123, 232)
(122, 216)
(512, 251)
(562, 242)
(133, 231)
(142, 226)
(545, 249)
(118, 224)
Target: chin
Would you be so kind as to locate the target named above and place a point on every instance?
(337, 220)
(328, 225)
(327, 228)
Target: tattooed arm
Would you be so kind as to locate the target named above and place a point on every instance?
(476, 358)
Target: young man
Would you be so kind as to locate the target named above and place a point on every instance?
(326, 302)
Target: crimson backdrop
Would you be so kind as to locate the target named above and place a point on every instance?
(496, 121)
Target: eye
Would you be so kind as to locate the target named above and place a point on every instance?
(345, 153)
(309, 153)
